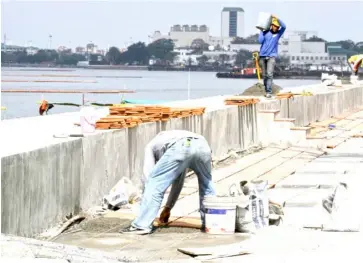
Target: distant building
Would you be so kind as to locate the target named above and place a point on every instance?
(184, 57)
(302, 50)
(100, 51)
(63, 49)
(232, 22)
(11, 48)
(184, 35)
(80, 50)
(31, 50)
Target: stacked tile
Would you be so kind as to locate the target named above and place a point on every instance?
(122, 116)
(118, 122)
(240, 101)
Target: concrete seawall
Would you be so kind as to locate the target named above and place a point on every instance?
(44, 179)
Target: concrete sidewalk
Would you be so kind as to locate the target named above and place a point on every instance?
(299, 177)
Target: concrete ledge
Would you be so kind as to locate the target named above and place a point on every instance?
(40, 187)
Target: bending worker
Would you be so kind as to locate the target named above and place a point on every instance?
(269, 40)
(167, 157)
(355, 62)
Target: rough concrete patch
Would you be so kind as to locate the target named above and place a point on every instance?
(176, 230)
(259, 90)
(105, 224)
(115, 225)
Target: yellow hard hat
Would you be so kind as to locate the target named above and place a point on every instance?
(275, 22)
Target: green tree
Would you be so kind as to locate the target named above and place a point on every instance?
(70, 59)
(238, 40)
(315, 39)
(202, 60)
(113, 56)
(199, 45)
(161, 48)
(347, 44)
(223, 58)
(252, 39)
(137, 52)
(242, 57)
(170, 56)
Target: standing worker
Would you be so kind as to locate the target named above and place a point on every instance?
(167, 157)
(269, 40)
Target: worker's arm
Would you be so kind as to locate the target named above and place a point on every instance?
(282, 27)
(176, 190)
(149, 162)
(261, 37)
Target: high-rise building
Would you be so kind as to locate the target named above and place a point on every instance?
(232, 22)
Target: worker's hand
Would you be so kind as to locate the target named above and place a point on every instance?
(274, 16)
(164, 216)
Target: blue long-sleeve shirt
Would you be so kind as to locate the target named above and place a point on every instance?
(270, 41)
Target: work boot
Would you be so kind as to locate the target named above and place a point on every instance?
(136, 231)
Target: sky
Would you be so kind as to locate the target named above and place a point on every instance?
(119, 23)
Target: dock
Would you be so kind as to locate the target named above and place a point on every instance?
(290, 142)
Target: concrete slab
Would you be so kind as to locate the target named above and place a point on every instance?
(308, 198)
(261, 168)
(159, 246)
(309, 181)
(282, 195)
(287, 168)
(311, 217)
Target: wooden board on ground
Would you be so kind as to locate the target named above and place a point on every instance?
(240, 101)
(187, 222)
(224, 250)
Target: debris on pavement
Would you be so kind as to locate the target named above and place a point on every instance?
(344, 205)
(122, 194)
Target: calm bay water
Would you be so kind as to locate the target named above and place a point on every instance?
(149, 85)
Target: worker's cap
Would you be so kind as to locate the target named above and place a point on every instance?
(275, 22)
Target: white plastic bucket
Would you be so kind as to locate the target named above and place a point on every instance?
(88, 118)
(264, 21)
(220, 216)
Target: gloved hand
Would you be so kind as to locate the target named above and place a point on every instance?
(164, 216)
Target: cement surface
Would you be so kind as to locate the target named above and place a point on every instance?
(302, 209)
(253, 166)
(38, 168)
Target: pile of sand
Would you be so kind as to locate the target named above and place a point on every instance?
(259, 90)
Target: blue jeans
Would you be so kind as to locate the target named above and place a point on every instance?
(267, 65)
(194, 154)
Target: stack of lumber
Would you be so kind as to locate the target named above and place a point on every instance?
(128, 116)
(284, 95)
(118, 122)
(240, 101)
